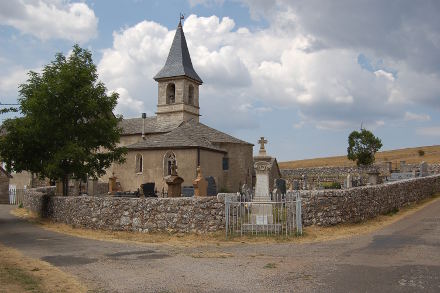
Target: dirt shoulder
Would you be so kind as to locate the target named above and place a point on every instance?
(311, 234)
(19, 273)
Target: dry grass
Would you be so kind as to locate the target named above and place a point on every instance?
(23, 274)
(410, 155)
(311, 234)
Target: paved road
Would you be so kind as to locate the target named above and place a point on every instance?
(403, 257)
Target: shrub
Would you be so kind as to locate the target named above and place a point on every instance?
(331, 185)
(421, 153)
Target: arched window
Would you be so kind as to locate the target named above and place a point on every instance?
(171, 93)
(191, 95)
(168, 160)
(139, 163)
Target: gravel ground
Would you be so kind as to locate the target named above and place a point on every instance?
(403, 257)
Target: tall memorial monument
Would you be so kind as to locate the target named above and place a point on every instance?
(262, 213)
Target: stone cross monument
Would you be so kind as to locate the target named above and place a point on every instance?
(262, 151)
(262, 213)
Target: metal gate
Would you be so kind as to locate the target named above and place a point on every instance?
(16, 196)
(280, 216)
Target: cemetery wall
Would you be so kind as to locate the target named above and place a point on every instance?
(195, 215)
(206, 214)
(331, 207)
(342, 171)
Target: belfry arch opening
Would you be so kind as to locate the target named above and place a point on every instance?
(191, 94)
(171, 93)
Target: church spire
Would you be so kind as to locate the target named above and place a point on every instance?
(179, 61)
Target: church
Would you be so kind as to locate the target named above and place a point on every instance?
(175, 136)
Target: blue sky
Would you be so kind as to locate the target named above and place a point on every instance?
(304, 74)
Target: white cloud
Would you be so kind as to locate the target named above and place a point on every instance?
(126, 104)
(10, 81)
(416, 117)
(429, 131)
(281, 66)
(46, 19)
(383, 74)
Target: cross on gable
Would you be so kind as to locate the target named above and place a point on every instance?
(262, 142)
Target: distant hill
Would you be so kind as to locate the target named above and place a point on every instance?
(410, 155)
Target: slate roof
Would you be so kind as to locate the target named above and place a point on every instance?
(179, 61)
(134, 126)
(188, 134)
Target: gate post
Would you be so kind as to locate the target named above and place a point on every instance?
(298, 214)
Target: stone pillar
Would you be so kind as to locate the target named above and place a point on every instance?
(349, 181)
(200, 184)
(59, 188)
(112, 184)
(423, 169)
(92, 187)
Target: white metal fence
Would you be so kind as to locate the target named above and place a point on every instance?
(16, 196)
(280, 216)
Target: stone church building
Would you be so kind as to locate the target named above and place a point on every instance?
(176, 134)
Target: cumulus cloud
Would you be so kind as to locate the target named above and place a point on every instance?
(46, 19)
(291, 64)
(9, 81)
(126, 104)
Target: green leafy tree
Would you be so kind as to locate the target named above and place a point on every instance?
(67, 128)
(362, 145)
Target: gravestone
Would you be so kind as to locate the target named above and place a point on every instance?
(280, 185)
(200, 185)
(373, 177)
(304, 178)
(59, 188)
(148, 189)
(174, 182)
(212, 186)
(188, 191)
(423, 169)
(404, 168)
(75, 189)
(247, 193)
(92, 187)
(349, 181)
(389, 167)
(295, 185)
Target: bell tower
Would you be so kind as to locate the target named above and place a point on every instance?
(178, 84)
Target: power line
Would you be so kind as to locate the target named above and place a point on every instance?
(1, 104)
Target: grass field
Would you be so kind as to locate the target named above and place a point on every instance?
(410, 155)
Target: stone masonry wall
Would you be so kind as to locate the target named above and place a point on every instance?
(195, 215)
(206, 214)
(331, 207)
(342, 171)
